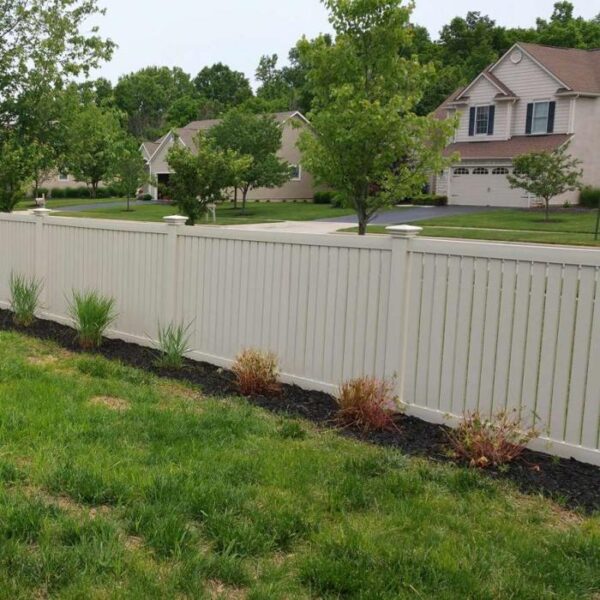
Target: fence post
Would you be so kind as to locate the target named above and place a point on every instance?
(170, 299)
(397, 340)
(39, 258)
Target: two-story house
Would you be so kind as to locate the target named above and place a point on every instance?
(300, 186)
(535, 98)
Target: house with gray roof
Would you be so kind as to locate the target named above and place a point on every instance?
(300, 187)
(535, 98)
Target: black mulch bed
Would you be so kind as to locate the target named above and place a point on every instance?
(575, 485)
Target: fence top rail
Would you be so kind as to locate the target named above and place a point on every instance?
(562, 255)
(18, 217)
(382, 242)
(107, 225)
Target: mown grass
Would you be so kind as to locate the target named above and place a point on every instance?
(114, 484)
(256, 212)
(568, 227)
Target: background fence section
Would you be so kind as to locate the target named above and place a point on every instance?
(461, 325)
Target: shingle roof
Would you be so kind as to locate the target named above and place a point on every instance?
(188, 133)
(440, 111)
(578, 69)
(507, 149)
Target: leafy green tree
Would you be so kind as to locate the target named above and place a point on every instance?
(546, 175)
(46, 40)
(93, 139)
(367, 142)
(128, 172)
(256, 136)
(14, 171)
(565, 30)
(223, 86)
(200, 177)
(147, 95)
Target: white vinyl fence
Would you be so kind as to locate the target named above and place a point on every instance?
(462, 325)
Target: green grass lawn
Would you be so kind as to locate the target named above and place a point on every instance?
(63, 202)
(575, 227)
(263, 212)
(115, 484)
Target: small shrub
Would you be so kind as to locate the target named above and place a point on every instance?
(367, 403)
(92, 314)
(590, 197)
(147, 197)
(430, 200)
(323, 197)
(490, 442)
(172, 344)
(257, 373)
(58, 193)
(24, 298)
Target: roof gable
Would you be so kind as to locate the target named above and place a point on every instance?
(573, 69)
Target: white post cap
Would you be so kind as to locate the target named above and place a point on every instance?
(404, 231)
(175, 220)
(41, 212)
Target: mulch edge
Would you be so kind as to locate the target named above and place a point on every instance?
(573, 484)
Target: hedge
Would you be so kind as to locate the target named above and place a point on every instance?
(590, 197)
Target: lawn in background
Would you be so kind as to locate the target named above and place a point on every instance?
(575, 226)
(114, 483)
(64, 202)
(263, 212)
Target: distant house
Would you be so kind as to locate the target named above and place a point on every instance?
(300, 187)
(535, 98)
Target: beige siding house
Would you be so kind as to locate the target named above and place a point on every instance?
(535, 98)
(300, 187)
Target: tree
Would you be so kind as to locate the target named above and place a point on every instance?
(367, 142)
(256, 136)
(14, 170)
(147, 95)
(128, 173)
(222, 85)
(201, 176)
(93, 138)
(45, 40)
(546, 175)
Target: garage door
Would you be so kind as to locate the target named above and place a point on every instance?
(484, 186)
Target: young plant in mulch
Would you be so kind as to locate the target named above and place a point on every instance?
(257, 373)
(173, 343)
(369, 404)
(486, 443)
(24, 298)
(92, 315)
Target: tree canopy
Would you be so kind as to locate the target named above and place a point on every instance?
(366, 141)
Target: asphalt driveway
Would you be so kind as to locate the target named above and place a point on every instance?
(409, 214)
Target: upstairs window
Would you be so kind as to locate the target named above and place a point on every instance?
(482, 120)
(541, 111)
(63, 176)
(540, 117)
(296, 172)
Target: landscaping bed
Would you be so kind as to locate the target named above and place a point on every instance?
(576, 485)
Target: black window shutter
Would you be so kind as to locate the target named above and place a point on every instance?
(492, 115)
(472, 122)
(551, 115)
(529, 125)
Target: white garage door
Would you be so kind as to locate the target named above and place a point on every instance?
(484, 186)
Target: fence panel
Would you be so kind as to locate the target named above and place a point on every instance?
(462, 325)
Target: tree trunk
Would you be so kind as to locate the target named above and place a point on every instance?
(128, 204)
(244, 196)
(547, 200)
(94, 190)
(235, 197)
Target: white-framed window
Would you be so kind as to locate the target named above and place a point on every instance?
(64, 176)
(541, 115)
(480, 171)
(461, 171)
(500, 171)
(296, 171)
(482, 120)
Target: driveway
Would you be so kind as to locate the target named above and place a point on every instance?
(409, 214)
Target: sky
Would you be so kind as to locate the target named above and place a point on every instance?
(195, 33)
